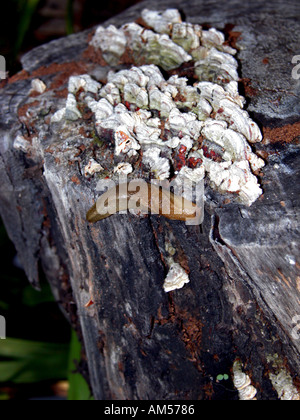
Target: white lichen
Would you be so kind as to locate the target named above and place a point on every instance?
(194, 175)
(92, 168)
(112, 51)
(58, 116)
(111, 93)
(176, 278)
(242, 382)
(234, 177)
(102, 108)
(20, 143)
(283, 384)
(161, 22)
(72, 112)
(216, 66)
(188, 36)
(148, 46)
(169, 122)
(169, 43)
(38, 86)
(125, 142)
(136, 95)
(123, 168)
(159, 166)
(233, 142)
(84, 82)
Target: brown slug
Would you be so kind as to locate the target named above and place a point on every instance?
(145, 198)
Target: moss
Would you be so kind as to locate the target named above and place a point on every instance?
(96, 140)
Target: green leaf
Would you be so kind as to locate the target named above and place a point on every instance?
(28, 9)
(32, 297)
(78, 388)
(27, 349)
(70, 17)
(31, 361)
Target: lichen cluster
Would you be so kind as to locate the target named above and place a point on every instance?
(180, 130)
(168, 42)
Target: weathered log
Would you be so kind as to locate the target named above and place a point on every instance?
(243, 298)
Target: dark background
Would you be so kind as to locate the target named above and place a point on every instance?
(29, 23)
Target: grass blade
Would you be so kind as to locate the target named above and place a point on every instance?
(25, 361)
(78, 388)
(29, 8)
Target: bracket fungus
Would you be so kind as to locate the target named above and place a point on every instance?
(167, 111)
(242, 382)
(178, 127)
(176, 278)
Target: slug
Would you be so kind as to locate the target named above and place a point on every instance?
(145, 198)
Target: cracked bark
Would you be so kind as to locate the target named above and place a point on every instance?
(243, 263)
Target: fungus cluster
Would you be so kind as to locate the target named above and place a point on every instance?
(180, 129)
(169, 110)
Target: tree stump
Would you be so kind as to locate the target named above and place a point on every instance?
(242, 304)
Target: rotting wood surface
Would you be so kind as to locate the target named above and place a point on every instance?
(243, 299)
